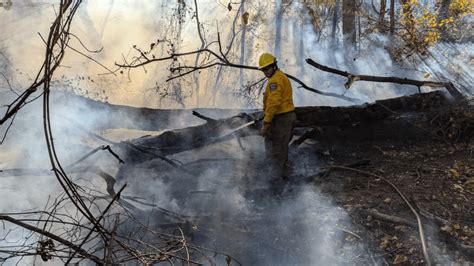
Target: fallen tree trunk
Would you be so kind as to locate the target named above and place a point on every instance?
(405, 117)
(345, 116)
(130, 117)
(119, 116)
(171, 142)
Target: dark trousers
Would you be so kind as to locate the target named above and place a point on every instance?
(276, 143)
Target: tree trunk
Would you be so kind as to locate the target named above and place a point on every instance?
(344, 116)
(278, 25)
(392, 17)
(189, 138)
(244, 22)
(315, 20)
(335, 21)
(382, 119)
(443, 14)
(383, 4)
(348, 22)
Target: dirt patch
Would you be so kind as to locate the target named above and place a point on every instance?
(436, 177)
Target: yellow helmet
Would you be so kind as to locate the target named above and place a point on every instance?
(265, 60)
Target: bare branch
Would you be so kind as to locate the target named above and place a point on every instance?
(351, 78)
(410, 206)
(77, 249)
(97, 222)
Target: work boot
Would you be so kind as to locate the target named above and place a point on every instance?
(278, 186)
(287, 171)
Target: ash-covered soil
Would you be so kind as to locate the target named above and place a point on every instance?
(347, 200)
(320, 215)
(436, 177)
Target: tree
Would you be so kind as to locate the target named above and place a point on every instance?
(348, 23)
(335, 20)
(245, 20)
(383, 4)
(320, 13)
(278, 27)
(8, 5)
(392, 17)
(214, 56)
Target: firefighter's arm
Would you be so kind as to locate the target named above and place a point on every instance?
(273, 101)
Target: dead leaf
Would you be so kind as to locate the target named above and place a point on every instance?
(456, 226)
(350, 238)
(468, 232)
(384, 243)
(427, 75)
(446, 228)
(387, 200)
(469, 184)
(454, 173)
(400, 259)
(458, 188)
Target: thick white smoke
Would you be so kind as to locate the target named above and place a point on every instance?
(222, 198)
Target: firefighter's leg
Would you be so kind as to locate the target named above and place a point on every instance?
(288, 124)
(283, 132)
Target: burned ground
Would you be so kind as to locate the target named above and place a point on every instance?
(436, 177)
(337, 207)
(209, 196)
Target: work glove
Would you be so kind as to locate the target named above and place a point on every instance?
(264, 129)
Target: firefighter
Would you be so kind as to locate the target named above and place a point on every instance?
(279, 115)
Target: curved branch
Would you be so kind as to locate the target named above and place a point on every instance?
(351, 78)
(193, 69)
(203, 43)
(330, 94)
(207, 119)
(77, 249)
(223, 61)
(83, 46)
(172, 56)
(301, 83)
(116, 197)
(92, 59)
(410, 206)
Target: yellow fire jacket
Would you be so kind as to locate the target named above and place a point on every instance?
(278, 96)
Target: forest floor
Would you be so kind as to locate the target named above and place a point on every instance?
(323, 214)
(339, 206)
(353, 217)
(436, 177)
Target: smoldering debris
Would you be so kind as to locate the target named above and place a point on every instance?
(233, 208)
(218, 195)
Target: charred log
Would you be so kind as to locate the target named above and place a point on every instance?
(171, 142)
(405, 117)
(121, 116)
(346, 116)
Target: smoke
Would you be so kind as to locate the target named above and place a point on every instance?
(231, 203)
(227, 197)
(116, 26)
